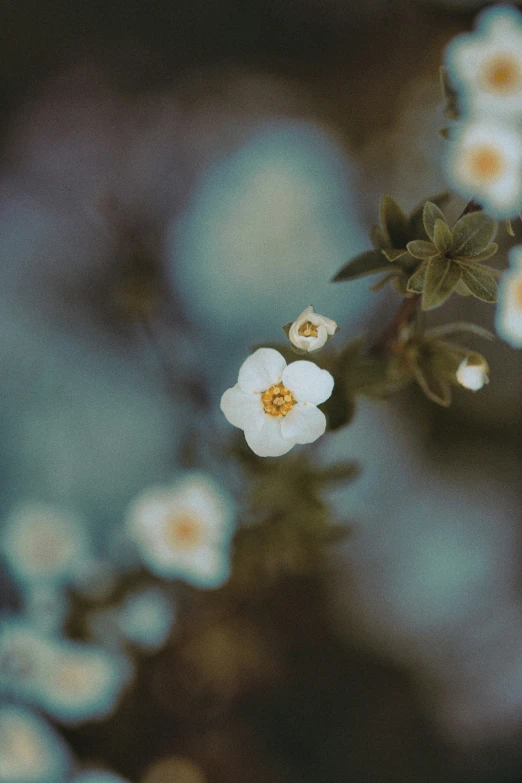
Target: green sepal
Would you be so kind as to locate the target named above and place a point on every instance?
(394, 221)
(442, 275)
(442, 237)
(430, 214)
(480, 281)
(417, 280)
(393, 253)
(509, 228)
(286, 329)
(420, 248)
(369, 263)
(473, 233)
(436, 388)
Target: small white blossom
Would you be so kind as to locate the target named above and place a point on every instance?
(185, 531)
(145, 618)
(472, 373)
(41, 544)
(31, 751)
(485, 163)
(275, 403)
(508, 316)
(310, 331)
(486, 65)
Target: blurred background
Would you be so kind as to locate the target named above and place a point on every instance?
(179, 180)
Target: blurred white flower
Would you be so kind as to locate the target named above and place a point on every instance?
(310, 331)
(30, 750)
(485, 163)
(23, 650)
(486, 65)
(39, 543)
(472, 373)
(145, 618)
(275, 403)
(508, 318)
(82, 682)
(185, 530)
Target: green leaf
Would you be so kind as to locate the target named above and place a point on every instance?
(430, 215)
(462, 289)
(419, 248)
(368, 263)
(379, 237)
(442, 275)
(394, 221)
(442, 237)
(417, 230)
(382, 282)
(444, 132)
(417, 280)
(480, 281)
(393, 253)
(451, 109)
(473, 233)
(488, 252)
(460, 327)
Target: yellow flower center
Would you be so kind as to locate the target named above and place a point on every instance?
(502, 74)
(308, 329)
(183, 531)
(277, 400)
(485, 163)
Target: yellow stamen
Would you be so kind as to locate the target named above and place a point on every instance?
(518, 293)
(502, 74)
(277, 401)
(308, 329)
(183, 531)
(485, 163)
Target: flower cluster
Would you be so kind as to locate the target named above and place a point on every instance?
(509, 310)
(485, 156)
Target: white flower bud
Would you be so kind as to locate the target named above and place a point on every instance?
(472, 373)
(310, 331)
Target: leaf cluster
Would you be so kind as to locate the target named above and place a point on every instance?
(390, 239)
(450, 258)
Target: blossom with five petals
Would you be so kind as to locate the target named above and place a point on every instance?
(276, 404)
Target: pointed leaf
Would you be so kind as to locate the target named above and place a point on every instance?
(460, 327)
(394, 221)
(442, 275)
(473, 233)
(393, 253)
(417, 280)
(368, 263)
(417, 230)
(430, 215)
(462, 289)
(442, 237)
(379, 237)
(382, 282)
(480, 281)
(509, 228)
(419, 248)
(488, 252)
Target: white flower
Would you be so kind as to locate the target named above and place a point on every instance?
(81, 682)
(42, 544)
(185, 531)
(310, 331)
(508, 316)
(98, 776)
(485, 163)
(472, 372)
(486, 66)
(275, 403)
(31, 751)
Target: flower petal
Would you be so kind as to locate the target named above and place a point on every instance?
(261, 370)
(269, 441)
(307, 382)
(304, 424)
(243, 410)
